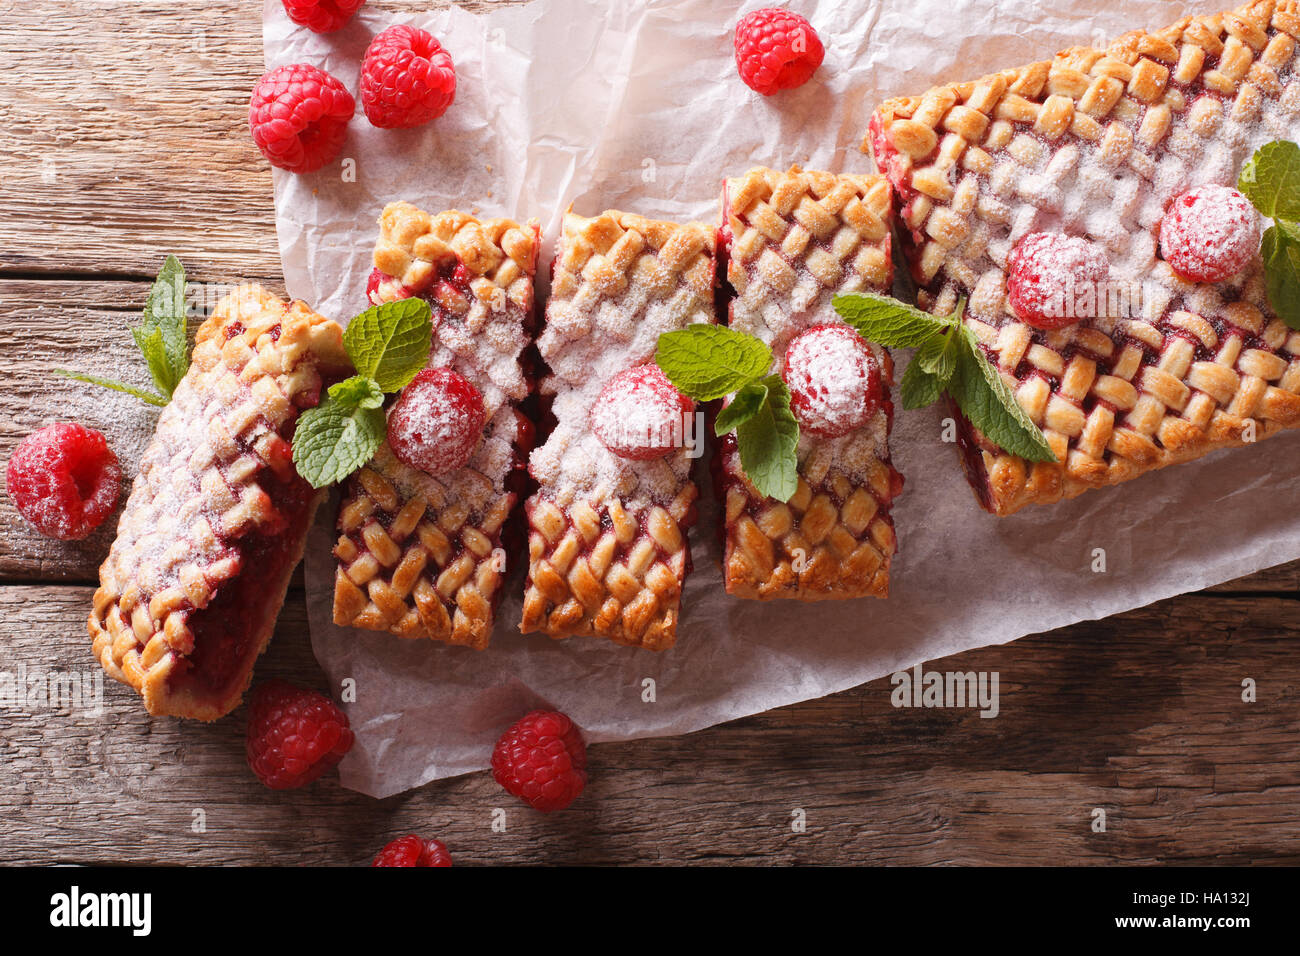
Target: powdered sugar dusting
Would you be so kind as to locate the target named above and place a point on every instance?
(1210, 233)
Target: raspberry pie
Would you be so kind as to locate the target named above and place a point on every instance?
(794, 241)
(1094, 187)
(218, 516)
(421, 527)
(607, 529)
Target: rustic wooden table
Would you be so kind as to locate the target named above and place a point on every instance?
(124, 138)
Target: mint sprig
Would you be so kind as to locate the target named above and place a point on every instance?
(161, 337)
(708, 362)
(948, 359)
(1271, 181)
(388, 344)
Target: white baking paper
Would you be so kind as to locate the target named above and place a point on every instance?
(637, 106)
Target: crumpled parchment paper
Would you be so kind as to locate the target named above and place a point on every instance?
(636, 105)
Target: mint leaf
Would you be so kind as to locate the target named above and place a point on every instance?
(333, 440)
(115, 385)
(742, 408)
(918, 387)
(357, 392)
(390, 343)
(1271, 180)
(984, 398)
(162, 334)
(768, 442)
(1281, 252)
(938, 354)
(886, 321)
(710, 361)
(154, 350)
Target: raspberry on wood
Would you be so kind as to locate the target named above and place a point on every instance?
(294, 734)
(64, 479)
(413, 851)
(542, 759)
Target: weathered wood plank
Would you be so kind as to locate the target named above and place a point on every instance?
(1140, 715)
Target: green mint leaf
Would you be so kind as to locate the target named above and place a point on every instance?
(918, 387)
(938, 354)
(886, 321)
(115, 385)
(390, 343)
(742, 408)
(1271, 180)
(333, 440)
(162, 326)
(768, 442)
(357, 392)
(1281, 251)
(984, 398)
(710, 361)
(154, 349)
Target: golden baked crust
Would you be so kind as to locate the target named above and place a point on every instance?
(420, 556)
(217, 507)
(797, 239)
(608, 550)
(1096, 142)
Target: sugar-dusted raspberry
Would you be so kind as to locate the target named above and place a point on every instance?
(1209, 234)
(437, 421)
(776, 50)
(834, 380)
(64, 479)
(413, 851)
(299, 117)
(1055, 280)
(294, 734)
(322, 16)
(407, 78)
(542, 759)
(640, 415)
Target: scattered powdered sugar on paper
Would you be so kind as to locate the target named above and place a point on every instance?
(637, 106)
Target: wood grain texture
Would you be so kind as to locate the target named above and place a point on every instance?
(1100, 715)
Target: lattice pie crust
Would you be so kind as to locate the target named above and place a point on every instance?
(422, 556)
(795, 240)
(608, 550)
(1097, 143)
(218, 517)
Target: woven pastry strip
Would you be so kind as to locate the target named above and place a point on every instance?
(422, 556)
(1097, 143)
(608, 550)
(795, 240)
(217, 519)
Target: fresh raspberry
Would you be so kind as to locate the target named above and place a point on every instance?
(640, 415)
(436, 422)
(407, 78)
(64, 479)
(834, 380)
(322, 16)
(776, 50)
(1054, 280)
(542, 760)
(1209, 234)
(412, 851)
(294, 734)
(299, 117)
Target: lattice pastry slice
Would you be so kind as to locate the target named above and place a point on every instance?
(420, 554)
(794, 241)
(217, 519)
(1077, 177)
(608, 550)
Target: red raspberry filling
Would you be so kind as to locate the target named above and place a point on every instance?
(833, 378)
(322, 16)
(294, 735)
(542, 759)
(413, 851)
(64, 479)
(407, 78)
(1055, 280)
(299, 116)
(437, 421)
(1209, 234)
(776, 50)
(640, 415)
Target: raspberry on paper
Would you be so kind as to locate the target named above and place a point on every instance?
(64, 479)
(407, 79)
(776, 50)
(322, 16)
(299, 116)
(294, 734)
(542, 759)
